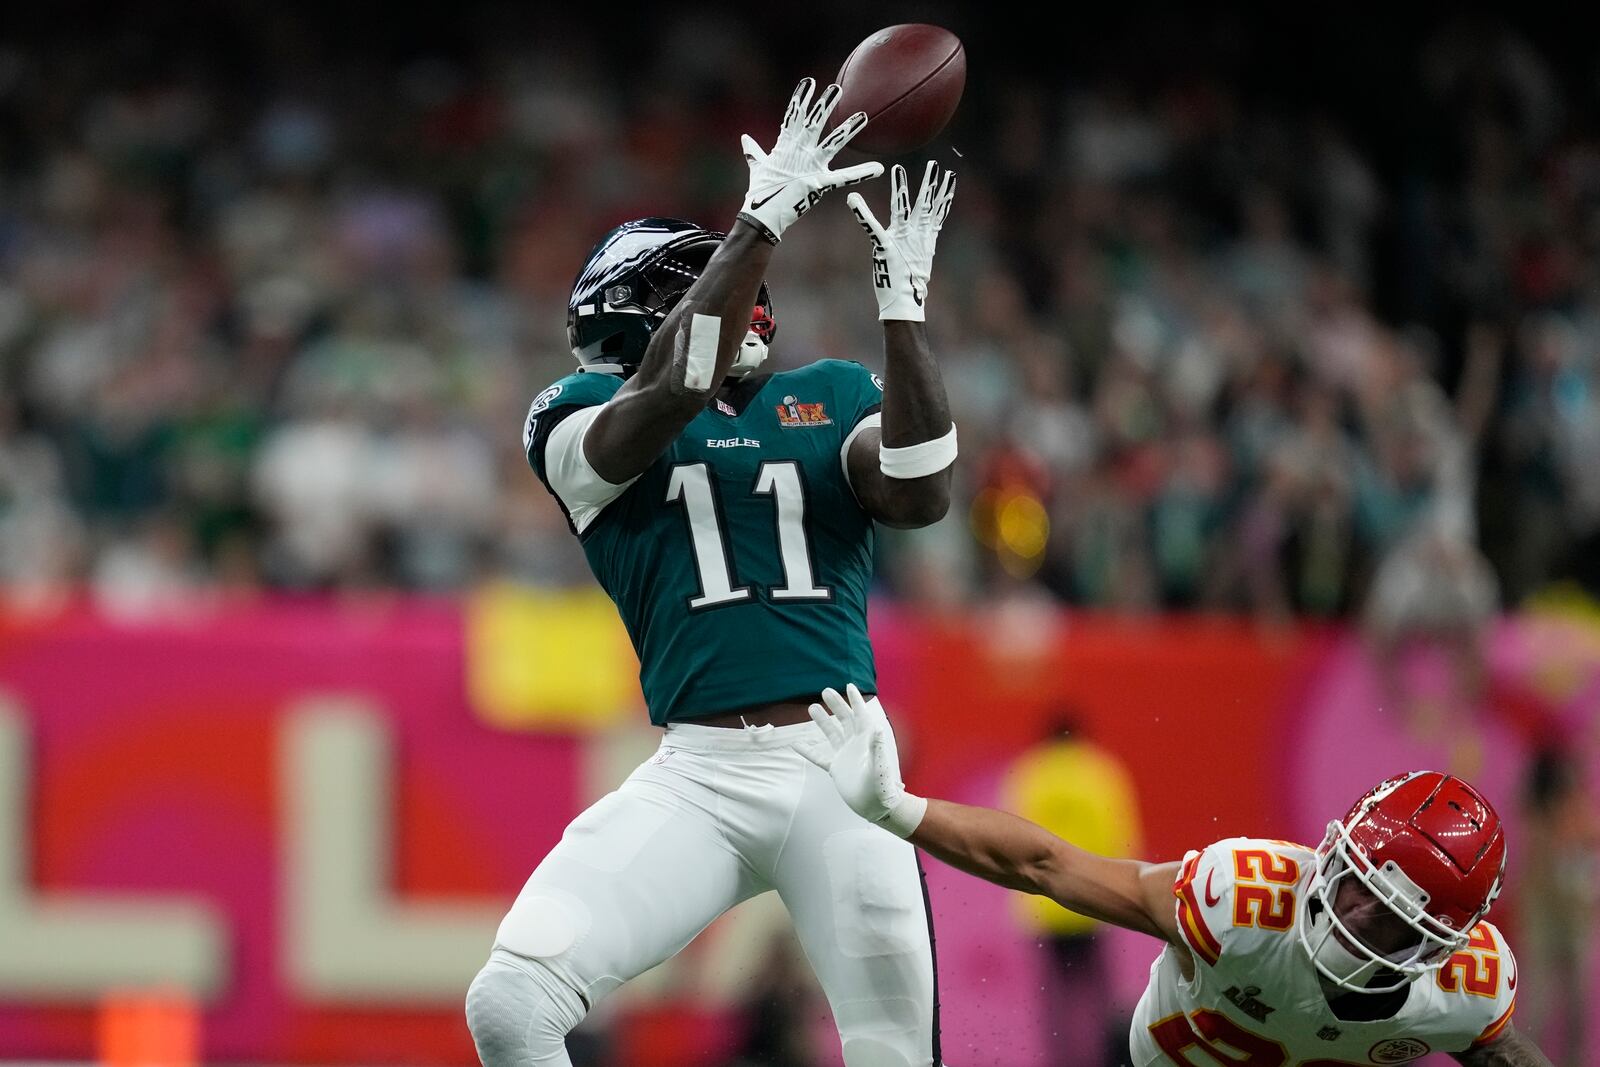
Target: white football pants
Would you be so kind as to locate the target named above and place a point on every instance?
(715, 817)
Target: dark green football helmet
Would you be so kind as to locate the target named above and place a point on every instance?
(631, 281)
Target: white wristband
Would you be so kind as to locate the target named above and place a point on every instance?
(919, 460)
(906, 816)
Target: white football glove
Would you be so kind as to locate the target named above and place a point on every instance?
(902, 255)
(860, 756)
(788, 181)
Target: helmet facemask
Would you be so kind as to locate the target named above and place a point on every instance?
(1339, 953)
(763, 328)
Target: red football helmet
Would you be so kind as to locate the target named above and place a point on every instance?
(1430, 847)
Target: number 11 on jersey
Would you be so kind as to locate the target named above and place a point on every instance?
(690, 484)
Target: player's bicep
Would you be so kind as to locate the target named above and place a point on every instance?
(1155, 893)
(860, 460)
(905, 503)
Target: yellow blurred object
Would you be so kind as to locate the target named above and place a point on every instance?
(1024, 527)
(1015, 524)
(149, 1028)
(984, 517)
(1080, 792)
(548, 659)
(1566, 599)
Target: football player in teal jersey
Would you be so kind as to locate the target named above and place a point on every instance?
(729, 512)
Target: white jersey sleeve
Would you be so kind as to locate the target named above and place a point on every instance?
(1475, 992)
(570, 475)
(1199, 901)
(1232, 891)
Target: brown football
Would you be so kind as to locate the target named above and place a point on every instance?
(908, 79)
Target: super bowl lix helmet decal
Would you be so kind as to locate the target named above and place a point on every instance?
(632, 279)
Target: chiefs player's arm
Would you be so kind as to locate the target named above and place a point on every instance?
(1013, 852)
(686, 361)
(1506, 1049)
(915, 411)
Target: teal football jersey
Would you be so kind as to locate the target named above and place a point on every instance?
(740, 560)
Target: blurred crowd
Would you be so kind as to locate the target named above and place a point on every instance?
(271, 313)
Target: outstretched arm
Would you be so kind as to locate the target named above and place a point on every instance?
(1507, 1049)
(993, 845)
(1013, 852)
(693, 350)
(901, 471)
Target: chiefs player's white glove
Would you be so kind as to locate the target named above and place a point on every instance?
(902, 255)
(860, 756)
(788, 181)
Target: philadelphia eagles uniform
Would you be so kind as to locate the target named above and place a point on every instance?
(739, 561)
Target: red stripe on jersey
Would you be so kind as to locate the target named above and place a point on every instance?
(1495, 1027)
(1191, 921)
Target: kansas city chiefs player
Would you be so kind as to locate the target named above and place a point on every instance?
(1370, 948)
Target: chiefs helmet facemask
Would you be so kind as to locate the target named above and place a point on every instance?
(1428, 846)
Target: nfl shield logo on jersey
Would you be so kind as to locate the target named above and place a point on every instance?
(1398, 1050)
(1330, 1033)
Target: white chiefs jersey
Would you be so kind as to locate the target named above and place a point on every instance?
(1256, 998)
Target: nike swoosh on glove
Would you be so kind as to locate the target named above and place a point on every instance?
(791, 179)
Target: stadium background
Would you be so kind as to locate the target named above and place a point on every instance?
(1274, 341)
